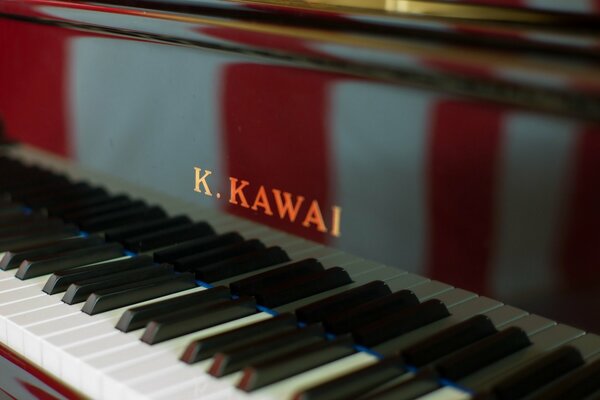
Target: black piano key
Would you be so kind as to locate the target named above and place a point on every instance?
(242, 264)
(482, 353)
(312, 356)
(398, 324)
(18, 218)
(53, 197)
(12, 259)
(79, 291)
(350, 319)
(538, 374)
(190, 263)
(251, 285)
(197, 246)
(33, 231)
(109, 299)
(76, 205)
(48, 186)
(139, 228)
(31, 269)
(449, 340)
(24, 242)
(138, 317)
(60, 280)
(578, 385)
(356, 383)
(69, 200)
(303, 287)
(318, 311)
(180, 324)
(204, 348)
(115, 203)
(121, 218)
(235, 358)
(166, 237)
(29, 226)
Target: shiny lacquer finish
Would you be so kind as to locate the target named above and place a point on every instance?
(467, 151)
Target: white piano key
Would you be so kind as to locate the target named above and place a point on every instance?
(446, 393)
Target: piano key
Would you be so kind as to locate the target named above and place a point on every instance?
(390, 276)
(275, 296)
(139, 228)
(31, 269)
(272, 346)
(191, 320)
(24, 242)
(447, 393)
(322, 309)
(241, 264)
(12, 259)
(169, 236)
(190, 263)
(588, 345)
(552, 337)
(138, 317)
(449, 340)
(357, 382)
(46, 186)
(79, 291)
(370, 311)
(202, 349)
(325, 381)
(197, 246)
(264, 373)
(483, 353)
(38, 329)
(75, 205)
(108, 299)
(66, 193)
(578, 385)
(538, 373)
(139, 364)
(417, 387)
(120, 218)
(115, 203)
(397, 324)
(250, 285)
(59, 281)
(29, 226)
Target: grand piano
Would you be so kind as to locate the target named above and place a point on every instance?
(307, 200)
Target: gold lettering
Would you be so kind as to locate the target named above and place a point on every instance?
(314, 216)
(335, 220)
(238, 191)
(201, 180)
(285, 206)
(262, 201)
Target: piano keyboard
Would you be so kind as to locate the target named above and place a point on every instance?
(138, 296)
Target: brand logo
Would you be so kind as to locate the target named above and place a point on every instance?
(274, 203)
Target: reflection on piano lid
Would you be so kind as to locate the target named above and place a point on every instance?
(219, 162)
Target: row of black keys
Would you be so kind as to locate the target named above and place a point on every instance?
(93, 208)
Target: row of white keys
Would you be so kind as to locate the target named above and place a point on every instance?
(149, 383)
(461, 304)
(61, 347)
(135, 373)
(35, 315)
(87, 336)
(424, 288)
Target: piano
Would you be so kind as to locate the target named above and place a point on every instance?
(305, 200)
